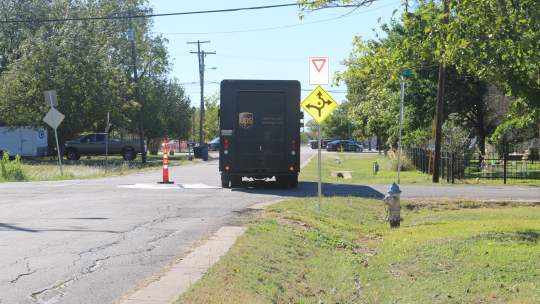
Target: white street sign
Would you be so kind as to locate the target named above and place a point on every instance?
(48, 95)
(319, 72)
(58, 117)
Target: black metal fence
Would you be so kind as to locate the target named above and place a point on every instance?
(512, 166)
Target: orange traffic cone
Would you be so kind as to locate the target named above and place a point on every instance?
(165, 165)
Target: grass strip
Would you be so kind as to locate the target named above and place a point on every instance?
(447, 251)
(48, 169)
(362, 166)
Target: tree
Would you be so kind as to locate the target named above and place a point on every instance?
(313, 128)
(211, 118)
(167, 109)
(87, 62)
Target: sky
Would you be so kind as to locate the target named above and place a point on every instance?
(262, 44)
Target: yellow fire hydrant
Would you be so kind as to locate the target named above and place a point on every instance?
(392, 201)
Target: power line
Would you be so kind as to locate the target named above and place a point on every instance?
(279, 27)
(69, 54)
(148, 16)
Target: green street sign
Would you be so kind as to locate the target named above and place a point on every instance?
(406, 73)
(348, 121)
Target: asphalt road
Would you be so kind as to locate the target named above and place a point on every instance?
(90, 241)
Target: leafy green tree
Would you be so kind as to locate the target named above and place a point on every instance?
(312, 128)
(88, 63)
(167, 110)
(211, 119)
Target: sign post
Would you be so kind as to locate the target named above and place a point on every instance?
(51, 101)
(319, 105)
(107, 142)
(404, 73)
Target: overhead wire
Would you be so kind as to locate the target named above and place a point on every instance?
(280, 27)
(153, 15)
(69, 54)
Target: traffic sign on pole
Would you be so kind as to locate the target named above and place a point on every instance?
(319, 104)
(58, 117)
(319, 72)
(51, 96)
(50, 118)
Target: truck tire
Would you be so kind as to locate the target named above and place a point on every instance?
(224, 183)
(72, 154)
(216, 148)
(294, 182)
(129, 154)
(235, 181)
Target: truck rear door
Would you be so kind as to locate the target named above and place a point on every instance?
(261, 135)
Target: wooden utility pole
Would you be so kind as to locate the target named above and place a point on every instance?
(201, 54)
(439, 113)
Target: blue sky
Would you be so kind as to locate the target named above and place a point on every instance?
(265, 44)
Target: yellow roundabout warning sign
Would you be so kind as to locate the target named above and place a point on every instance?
(319, 104)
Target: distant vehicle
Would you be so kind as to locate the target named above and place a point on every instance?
(347, 145)
(23, 141)
(94, 144)
(260, 131)
(324, 144)
(213, 145)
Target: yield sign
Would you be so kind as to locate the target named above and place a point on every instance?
(319, 70)
(318, 63)
(319, 104)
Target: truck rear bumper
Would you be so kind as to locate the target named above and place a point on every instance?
(258, 175)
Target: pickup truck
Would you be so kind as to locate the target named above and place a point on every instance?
(94, 144)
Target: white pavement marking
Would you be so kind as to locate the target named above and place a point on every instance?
(186, 272)
(170, 186)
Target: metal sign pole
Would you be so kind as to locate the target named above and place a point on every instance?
(400, 127)
(107, 142)
(319, 140)
(56, 135)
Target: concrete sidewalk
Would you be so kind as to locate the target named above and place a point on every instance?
(181, 275)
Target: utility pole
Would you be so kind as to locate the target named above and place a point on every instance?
(201, 54)
(439, 113)
(130, 37)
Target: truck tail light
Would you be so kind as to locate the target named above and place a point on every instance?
(293, 147)
(227, 168)
(226, 146)
(292, 168)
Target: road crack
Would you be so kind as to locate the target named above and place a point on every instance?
(24, 274)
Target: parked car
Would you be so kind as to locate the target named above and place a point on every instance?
(324, 144)
(347, 145)
(213, 145)
(94, 144)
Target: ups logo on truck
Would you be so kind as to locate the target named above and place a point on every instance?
(245, 120)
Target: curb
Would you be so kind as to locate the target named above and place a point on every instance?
(177, 280)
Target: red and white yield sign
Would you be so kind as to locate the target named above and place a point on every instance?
(319, 71)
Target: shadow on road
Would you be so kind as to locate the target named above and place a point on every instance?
(308, 189)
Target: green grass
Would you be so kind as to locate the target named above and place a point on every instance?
(447, 251)
(48, 169)
(362, 166)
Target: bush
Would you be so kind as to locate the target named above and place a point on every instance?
(12, 171)
(391, 162)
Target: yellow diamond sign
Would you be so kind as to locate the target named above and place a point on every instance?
(319, 104)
